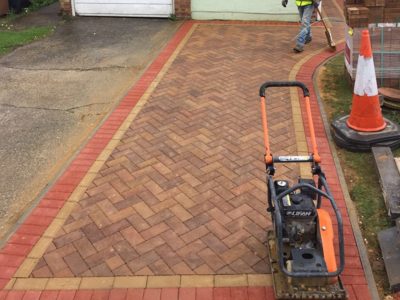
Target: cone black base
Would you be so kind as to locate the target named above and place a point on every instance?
(347, 138)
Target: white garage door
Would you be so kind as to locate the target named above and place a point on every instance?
(124, 8)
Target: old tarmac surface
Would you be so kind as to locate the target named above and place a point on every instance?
(56, 91)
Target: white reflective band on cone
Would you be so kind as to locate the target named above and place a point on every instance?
(365, 78)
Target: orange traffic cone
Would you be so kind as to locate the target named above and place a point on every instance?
(366, 114)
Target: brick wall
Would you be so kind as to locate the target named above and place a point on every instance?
(65, 7)
(182, 9)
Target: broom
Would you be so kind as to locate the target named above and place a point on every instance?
(328, 33)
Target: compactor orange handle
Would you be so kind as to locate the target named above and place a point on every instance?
(306, 94)
(316, 156)
(268, 155)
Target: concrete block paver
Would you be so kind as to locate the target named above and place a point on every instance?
(167, 200)
(172, 163)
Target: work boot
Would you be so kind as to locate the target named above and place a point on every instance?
(308, 39)
(298, 49)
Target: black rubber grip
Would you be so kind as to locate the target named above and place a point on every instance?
(299, 84)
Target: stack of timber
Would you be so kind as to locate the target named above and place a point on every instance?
(389, 239)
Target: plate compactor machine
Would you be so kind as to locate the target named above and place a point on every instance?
(302, 244)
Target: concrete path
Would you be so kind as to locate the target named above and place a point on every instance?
(55, 92)
(167, 200)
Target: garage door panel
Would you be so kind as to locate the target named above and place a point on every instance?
(141, 8)
(145, 5)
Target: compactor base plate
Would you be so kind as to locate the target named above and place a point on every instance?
(306, 290)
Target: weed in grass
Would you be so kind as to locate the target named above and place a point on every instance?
(172, 17)
(11, 16)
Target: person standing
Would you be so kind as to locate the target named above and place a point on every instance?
(306, 9)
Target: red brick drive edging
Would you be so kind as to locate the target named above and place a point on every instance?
(236, 293)
(353, 276)
(23, 240)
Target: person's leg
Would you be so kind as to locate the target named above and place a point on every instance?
(301, 11)
(305, 13)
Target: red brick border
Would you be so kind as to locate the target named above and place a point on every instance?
(353, 276)
(253, 23)
(23, 240)
(234, 293)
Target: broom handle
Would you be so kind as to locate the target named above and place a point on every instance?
(322, 19)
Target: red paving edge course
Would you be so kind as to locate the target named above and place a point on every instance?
(23, 240)
(261, 23)
(21, 243)
(236, 293)
(353, 276)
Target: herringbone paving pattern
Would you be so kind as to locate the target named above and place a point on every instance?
(184, 192)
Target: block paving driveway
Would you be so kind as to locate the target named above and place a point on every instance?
(175, 186)
(184, 192)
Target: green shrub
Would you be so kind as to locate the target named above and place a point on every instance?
(36, 4)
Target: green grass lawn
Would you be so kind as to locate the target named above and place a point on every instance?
(359, 168)
(10, 39)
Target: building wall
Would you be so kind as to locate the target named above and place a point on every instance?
(183, 9)
(65, 7)
(225, 9)
(269, 10)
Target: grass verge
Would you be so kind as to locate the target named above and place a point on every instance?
(10, 39)
(359, 168)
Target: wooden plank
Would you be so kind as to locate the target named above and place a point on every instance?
(390, 93)
(397, 160)
(391, 104)
(389, 179)
(389, 241)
